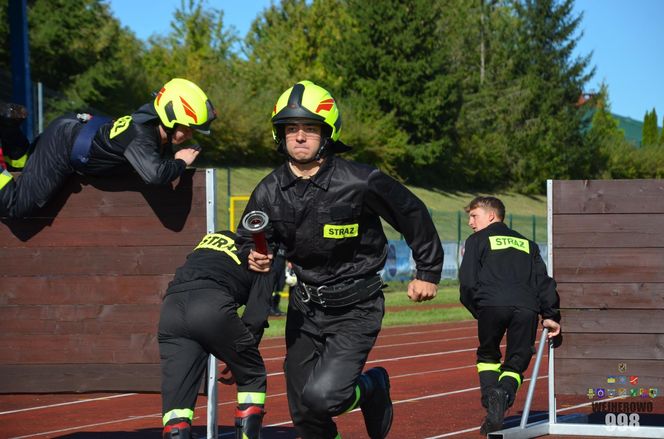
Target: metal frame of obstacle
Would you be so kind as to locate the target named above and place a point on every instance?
(568, 425)
(212, 426)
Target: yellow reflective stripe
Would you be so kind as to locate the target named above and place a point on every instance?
(178, 413)
(503, 242)
(220, 243)
(340, 232)
(18, 163)
(514, 375)
(484, 367)
(251, 397)
(357, 399)
(5, 178)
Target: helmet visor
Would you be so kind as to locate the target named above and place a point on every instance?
(204, 128)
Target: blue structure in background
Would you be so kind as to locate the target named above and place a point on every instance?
(20, 62)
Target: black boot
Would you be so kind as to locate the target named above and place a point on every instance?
(177, 430)
(248, 422)
(376, 405)
(497, 404)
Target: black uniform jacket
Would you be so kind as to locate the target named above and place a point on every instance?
(131, 143)
(502, 268)
(329, 225)
(215, 263)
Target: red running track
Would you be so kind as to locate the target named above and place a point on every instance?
(434, 389)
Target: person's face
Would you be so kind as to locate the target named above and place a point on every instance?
(479, 218)
(302, 140)
(181, 134)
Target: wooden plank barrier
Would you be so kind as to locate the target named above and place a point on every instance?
(81, 282)
(608, 261)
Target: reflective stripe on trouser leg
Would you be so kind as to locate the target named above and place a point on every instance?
(251, 398)
(488, 374)
(483, 367)
(515, 376)
(5, 177)
(356, 402)
(178, 414)
(17, 163)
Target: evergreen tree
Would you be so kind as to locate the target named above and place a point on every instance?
(549, 140)
(391, 56)
(649, 130)
(79, 49)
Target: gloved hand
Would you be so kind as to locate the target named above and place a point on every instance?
(226, 376)
(557, 340)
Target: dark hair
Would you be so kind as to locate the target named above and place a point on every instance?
(492, 203)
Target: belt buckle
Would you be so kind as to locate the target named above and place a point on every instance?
(306, 297)
(318, 293)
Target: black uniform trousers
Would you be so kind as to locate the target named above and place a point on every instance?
(326, 350)
(193, 325)
(45, 172)
(521, 327)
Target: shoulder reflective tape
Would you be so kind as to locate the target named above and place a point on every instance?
(503, 242)
(178, 413)
(220, 243)
(251, 397)
(339, 232)
(120, 126)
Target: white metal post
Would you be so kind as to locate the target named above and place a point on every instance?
(212, 427)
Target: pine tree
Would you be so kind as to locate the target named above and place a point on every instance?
(549, 141)
(649, 130)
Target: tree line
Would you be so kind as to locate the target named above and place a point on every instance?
(449, 94)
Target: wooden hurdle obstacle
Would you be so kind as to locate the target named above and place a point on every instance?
(606, 252)
(81, 282)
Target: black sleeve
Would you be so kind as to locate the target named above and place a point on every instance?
(143, 153)
(258, 305)
(547, 295)
(468, 276)
(407, 214)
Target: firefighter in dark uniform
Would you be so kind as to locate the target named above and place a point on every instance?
(199, 317)
(94, 145)
(325, 213)
(503, 282)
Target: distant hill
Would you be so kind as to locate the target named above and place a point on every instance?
(633, 128)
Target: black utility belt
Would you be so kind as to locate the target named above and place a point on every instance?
(340, 295)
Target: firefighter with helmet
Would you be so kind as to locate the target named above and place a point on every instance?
(97, 146)
(325, 212)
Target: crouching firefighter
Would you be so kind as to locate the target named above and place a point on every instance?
(199, 317)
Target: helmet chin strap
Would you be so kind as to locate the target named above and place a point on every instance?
(319, 154)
